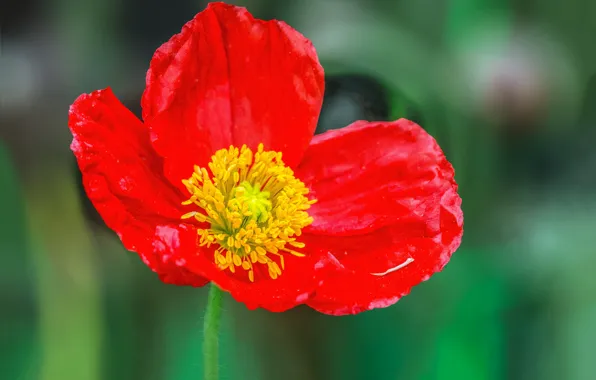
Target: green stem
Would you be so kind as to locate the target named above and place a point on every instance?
(211, 333)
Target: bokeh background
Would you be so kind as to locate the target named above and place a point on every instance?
(508, 88)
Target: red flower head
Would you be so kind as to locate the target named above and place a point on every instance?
(223, 180)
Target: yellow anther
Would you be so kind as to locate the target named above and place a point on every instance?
(188, 215)
(255, 207)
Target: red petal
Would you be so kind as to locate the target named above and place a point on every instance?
(386, 196)
(123, 176)
(386, 173)
(230, 79)
(161, 250)
(178, 243)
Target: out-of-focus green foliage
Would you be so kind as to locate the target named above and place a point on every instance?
(17, 291)
(506, 87)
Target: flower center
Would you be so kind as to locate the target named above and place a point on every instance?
(255, 207)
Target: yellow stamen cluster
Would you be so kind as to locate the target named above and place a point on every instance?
(254, 205)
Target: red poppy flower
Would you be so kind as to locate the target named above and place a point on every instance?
(223, 180)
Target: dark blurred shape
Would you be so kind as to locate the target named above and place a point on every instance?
(533, 159)
(352, 97)
(146, 24)
(16, 15)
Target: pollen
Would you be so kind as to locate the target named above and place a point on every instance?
(254, 208)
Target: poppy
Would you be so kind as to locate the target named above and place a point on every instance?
(224, 182)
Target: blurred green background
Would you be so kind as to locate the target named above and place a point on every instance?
(508, 88)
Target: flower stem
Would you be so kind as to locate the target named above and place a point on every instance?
(211, 333)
